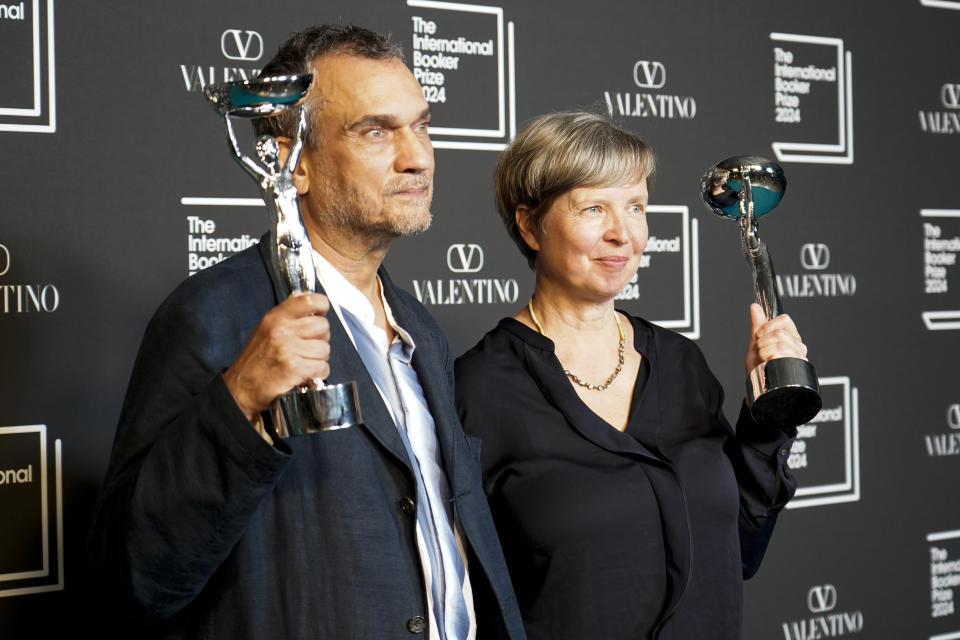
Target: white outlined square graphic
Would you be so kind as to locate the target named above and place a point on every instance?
(689, 323)
(941, 320)
(848, 489)
(942, 536)
(504, 104)
(40, 116)
(41, 456)
(841, 151)
(24, 582)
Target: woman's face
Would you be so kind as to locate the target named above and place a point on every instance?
(592, 239)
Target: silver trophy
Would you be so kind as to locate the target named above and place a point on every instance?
(782, 392)
(315, 406)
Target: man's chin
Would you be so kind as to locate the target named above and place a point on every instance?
(412, 227)
(409, 221)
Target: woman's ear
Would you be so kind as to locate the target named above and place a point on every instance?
(527, 226)
(301, 175)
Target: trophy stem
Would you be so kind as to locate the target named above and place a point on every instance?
(757, 256)
(782, 392)
(316, 406)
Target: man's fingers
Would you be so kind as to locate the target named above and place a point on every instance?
(305, 304)
(757, 318)
(310, 328)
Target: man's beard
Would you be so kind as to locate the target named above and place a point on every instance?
(344, 206)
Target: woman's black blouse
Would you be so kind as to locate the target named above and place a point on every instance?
(608, 534)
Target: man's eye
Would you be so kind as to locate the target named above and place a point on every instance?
(636, 209)
(376, 132)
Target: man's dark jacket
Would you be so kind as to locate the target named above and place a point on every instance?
(204, 530)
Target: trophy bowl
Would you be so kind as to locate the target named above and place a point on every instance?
(259, 97)
(721, 184)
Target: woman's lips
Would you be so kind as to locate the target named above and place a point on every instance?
(613, 261)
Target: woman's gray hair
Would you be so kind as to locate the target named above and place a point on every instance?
(558, 152)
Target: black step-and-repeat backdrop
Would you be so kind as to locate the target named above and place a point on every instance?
(117, 184)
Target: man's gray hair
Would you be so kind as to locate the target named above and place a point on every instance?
(297, 55)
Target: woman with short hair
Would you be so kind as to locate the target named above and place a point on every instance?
(627, 506)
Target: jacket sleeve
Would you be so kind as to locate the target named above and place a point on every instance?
(759, 456)
(187, 470)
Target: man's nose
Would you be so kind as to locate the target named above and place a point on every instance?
(414, 153)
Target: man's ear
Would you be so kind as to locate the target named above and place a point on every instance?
(301, 175)
(526, 226)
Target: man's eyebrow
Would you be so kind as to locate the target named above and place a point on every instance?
(386, 120)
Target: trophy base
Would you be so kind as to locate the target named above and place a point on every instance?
(783, 393)
(304, 411)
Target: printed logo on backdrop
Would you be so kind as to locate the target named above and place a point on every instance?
(822, 619)
(825, 457)
(667, 284)
(946, 117)
(464, 59)
(813, 99)
(950, 95)
(465, 258)
(468, 283)
(28, 90)
(26, 562)
(817, 280)
(206, 246)
(654, 74)
(941, 246)
(644, 99)
(815, 256)
(822, 598)
(24, 297)
(946, 442)
(237, 46)
(216, 232)
(944, 555)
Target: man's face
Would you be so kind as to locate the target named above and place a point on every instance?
(371, 161)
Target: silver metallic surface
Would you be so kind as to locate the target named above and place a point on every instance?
(783, 392)
(305, 411)
(259, 97)
(314, 406)
(743, 188)
(766, 178)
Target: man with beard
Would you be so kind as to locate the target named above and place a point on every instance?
(211, 526)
